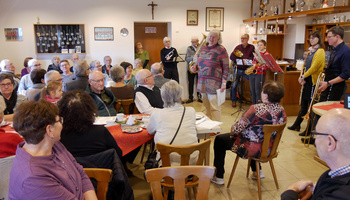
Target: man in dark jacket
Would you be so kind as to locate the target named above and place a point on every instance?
(81, 72)
(102, 96)
(332, 143)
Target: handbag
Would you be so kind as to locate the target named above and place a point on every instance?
(152, 161)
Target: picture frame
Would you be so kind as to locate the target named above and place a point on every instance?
(103, 33)
(13, 34)
(192, 18)
(214, 18)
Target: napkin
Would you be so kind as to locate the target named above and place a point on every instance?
(131, 120)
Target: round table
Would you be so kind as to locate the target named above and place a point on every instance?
(327, 105)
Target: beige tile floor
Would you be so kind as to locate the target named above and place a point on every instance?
(295, 162)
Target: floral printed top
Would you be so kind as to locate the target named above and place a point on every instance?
(247, 132)
(213, 66)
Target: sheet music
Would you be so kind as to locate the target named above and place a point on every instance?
(239, 61)
(248, 62)
(207, 123)
(221, 96)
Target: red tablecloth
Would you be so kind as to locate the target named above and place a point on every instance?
(330, 106)
(129, 141)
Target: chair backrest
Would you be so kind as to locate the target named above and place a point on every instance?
(5, 168)
(126, 103)
(103, 177)
(179, 174)
(185, 152)
(268, 130)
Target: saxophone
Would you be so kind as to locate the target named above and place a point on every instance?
(250, 70)
(203, 42)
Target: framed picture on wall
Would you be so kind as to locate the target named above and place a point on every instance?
(104, 33)
(13, 34)
(214, 18)
(192, 17)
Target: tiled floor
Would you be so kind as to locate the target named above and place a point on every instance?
(294, 162)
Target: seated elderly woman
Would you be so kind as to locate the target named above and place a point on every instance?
(164, 127)
(129, 78)
(120, 90)
(96, 66)
(43, 168)
(246, 135)
(55, 64)
(12, 99)
(138, 66)
(37, 77)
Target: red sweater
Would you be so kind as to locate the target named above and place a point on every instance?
(8, 143)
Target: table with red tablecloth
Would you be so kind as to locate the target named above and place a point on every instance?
(129, 141)
(322, 107)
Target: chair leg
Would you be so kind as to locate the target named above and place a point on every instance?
(258, 179)
(195, 191)
(143, 153)
(233, 171)
(166, 192)
(248, 167)
(274, 173)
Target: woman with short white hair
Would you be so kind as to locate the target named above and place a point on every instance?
(55, 64)
(164, 127)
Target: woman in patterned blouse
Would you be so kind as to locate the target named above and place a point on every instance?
(246, 135)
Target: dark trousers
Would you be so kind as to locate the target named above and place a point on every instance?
(239, 75)
(256, 82)
(222, 143)
(191, 84)
(304, 101)
(171, 73)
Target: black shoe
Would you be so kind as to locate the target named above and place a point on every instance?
(304, 133)
(200, 100)
(306, 141)
(189, 101)
(294, 128)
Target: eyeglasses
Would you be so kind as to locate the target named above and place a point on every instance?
(313, 133)
(98, 81)
(37, 65)
(6, 85)
(149, 76)
(330, 36)
(60, 120)
(244, 38)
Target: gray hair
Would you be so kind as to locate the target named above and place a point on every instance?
(156, 68)
(104, 58)
(117, 73)
(93, 64)
(55, 56)
(141, 76)
(194, 38)
(218, 33)
(171, 93)
(48, 76)
(80, 68)
(3, 63)
(166, 39)
(31, 62)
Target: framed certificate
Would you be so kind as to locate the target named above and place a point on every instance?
(104, 33)
(214, 19)
(192, 17)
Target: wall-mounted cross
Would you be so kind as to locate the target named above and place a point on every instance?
(152, 4)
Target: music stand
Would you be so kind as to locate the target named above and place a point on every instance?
(270, 62)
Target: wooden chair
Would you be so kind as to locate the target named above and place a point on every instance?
(103, 177)
(265, 156)
(151, 148)
(185, 152)
(126, 103)
(180, 174)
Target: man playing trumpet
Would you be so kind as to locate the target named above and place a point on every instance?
(168, 55)
(240, 62)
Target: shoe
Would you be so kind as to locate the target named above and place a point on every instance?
(200, 100)
(255, 176)
(304, 133)
(189, 101)
(217, 181)
(234, 104)
(294, 128)
(183, 102)
(306, 141)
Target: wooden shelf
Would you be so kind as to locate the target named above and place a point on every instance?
(319, 11)
(271, 34)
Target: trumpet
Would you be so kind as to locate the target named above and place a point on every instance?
(170, 54)
(203, 42)
(316, 95)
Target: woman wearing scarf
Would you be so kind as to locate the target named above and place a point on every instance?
(313, 66)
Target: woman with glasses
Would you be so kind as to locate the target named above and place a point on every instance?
(12, 99)
(313, 66)
(43, 168)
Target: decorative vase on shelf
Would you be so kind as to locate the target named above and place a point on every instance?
(325, 5)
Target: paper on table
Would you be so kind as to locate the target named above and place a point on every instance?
(221, 96)
(207, 123)
(103, 120)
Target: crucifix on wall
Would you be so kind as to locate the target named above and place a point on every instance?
(152, 4)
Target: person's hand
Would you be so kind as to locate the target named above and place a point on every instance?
(301, 81)
(167, 58)
(323, 86)
(194, 68)
(301, 186)
(223, 87)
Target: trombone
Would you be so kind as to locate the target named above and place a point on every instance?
(203, 42)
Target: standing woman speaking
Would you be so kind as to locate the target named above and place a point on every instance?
(313, 66)
(212, 66)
